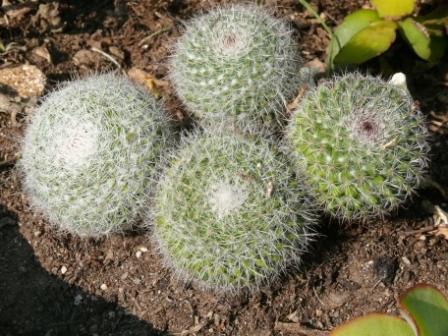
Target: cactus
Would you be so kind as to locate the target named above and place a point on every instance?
(237, 64)
(229, 213)
(361, 144)
(90, 153)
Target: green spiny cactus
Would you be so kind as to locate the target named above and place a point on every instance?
(229, 213)
(361, 144)
(90, 153)
(237, 63)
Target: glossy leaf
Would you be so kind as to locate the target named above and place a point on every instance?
(370, 42)
(374, 325)
(417, 37)
(394, 9)
(425, 43)
(352, 24)
(427, 308)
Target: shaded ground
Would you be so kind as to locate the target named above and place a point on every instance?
(34, 302)
(351, 270)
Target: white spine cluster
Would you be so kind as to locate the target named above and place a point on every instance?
(229, 213)
(237, 64)
(90, 153)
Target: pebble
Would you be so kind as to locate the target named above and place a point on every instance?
(78, 299)
(385, 268)
(103, 287)
(42, 52)
(138, 254)
(406, 261)
(27, 80)
(63, 270)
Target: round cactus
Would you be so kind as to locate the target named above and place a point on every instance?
(237, 64)
(229, 213)
(361, 144)
(90, 152)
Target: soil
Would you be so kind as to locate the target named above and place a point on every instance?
(53, 284)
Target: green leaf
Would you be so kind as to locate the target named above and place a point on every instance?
(352, 24)
(417, 37)
(370, 42)
(427, 308)
(394, 9)
(426, 45)
(374, 325)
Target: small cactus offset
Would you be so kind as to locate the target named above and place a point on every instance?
(90, 152)
(229, 213)
(237, 64)
(361, 144)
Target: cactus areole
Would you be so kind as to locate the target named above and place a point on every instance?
(361, 144)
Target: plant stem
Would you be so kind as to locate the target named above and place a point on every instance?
(313, 12)
(329, 31)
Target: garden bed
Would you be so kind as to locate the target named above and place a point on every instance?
(52, 284)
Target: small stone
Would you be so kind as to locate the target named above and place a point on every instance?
(86, 57)
(406, 261)
(138, 254)
(27, 80)
(143, 249)
(78, 299)
(42, 52)
(63, 270)
(385, 268)
(109, 255)
(124, 275)
(116, 52)
(103, 287)
(294, 317)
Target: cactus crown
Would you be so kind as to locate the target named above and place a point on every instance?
(361, 144)
(229, 214)
(237, 63)
(90, 152)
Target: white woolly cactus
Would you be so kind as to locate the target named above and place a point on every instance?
(90, 152)
(361, 144)
(237, 64)
(229, 213)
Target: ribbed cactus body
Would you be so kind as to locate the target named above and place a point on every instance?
(361, 144)
(229, 214)
(90, 152)
(237, 64)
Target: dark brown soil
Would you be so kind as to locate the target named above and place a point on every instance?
(63, 285)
